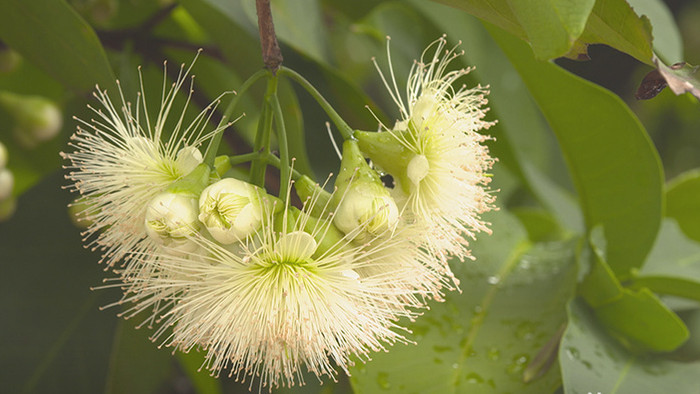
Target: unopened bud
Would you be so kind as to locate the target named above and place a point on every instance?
(37, 119)
(364, 205)
(188, 158)
(171, 219)
(232, 209)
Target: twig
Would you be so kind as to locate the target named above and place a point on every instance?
(272, 56)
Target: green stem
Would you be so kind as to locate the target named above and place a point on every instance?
(343, 127)
(283, 146)
(275, 161)
(262, 137)
(244, 158)
(213, 147)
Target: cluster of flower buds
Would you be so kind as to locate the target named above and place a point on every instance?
(37, 119)
(267, 288)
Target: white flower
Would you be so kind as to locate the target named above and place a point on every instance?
(123, 158)
(171, 219)
(296, 295)
(436, 155)
(232, 209)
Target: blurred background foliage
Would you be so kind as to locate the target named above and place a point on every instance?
(598, 192)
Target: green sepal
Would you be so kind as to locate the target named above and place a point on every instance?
(192, 183)
(221, 165)
(390, 155)
(354, 170)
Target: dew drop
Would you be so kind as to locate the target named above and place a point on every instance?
(474, 378)
(493, 280)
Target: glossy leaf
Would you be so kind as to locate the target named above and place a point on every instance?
(553, 28)
(683, 204)
(636, 317)
(50, 34)
(614, 166)
(592, 362)
(668, 43)
(481, 341)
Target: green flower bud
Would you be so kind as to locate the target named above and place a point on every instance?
(232, 209)
(7, 182)
(37, 118)
(362, 200)
(309, 191)
(390, 155)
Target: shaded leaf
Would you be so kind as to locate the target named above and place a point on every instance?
(614, 166)
(50, 34)
(481, 341)
(202, 381)
(592, 362)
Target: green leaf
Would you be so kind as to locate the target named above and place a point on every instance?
(592, 362)
(614, 23)
(636, 317)
(50, 34)
(54, 338)
(614, 166)
(202, 381)
(683, 204)
(554, 28)
(136, 365)
(668, 43)
(481, 340)
(673, 266)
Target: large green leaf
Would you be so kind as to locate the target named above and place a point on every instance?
(592, 362)
(481, 340)
(54, 338)
(54, 37)
(614, 166)
(554, 28)
(683, 204)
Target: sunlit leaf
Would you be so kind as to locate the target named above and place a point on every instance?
(668, 43)
(481, 341)
(614, 166)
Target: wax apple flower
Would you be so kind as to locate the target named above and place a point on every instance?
(295, 295)
(436, 155)
(123, 158)
(361, 198)
(171, 218)
(232, 209)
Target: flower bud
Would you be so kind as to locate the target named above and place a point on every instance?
(37, 118)
(312, 194)
(171, 218)
(7, 182)
(232, 209)
(362, 200)
(3, 156)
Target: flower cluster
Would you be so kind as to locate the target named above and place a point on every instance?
(267, 289)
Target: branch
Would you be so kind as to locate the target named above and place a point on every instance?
(272, 56)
